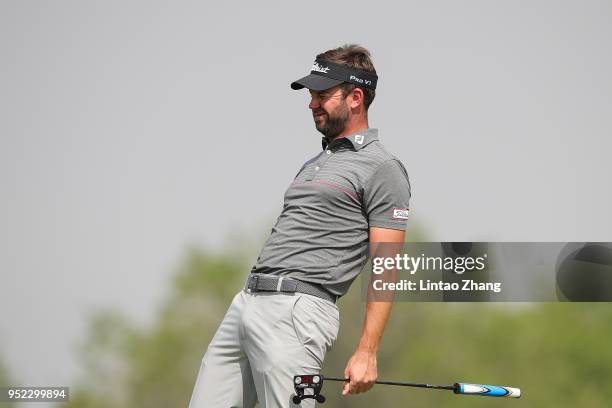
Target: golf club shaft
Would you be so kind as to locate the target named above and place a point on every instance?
(401, 384)
(457, 388)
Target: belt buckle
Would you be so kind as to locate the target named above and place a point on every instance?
(253, 282)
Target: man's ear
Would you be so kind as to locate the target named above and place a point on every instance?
(356, 98)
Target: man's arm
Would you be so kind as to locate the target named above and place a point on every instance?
(361, 368)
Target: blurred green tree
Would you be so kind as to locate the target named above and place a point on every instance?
(5, 380)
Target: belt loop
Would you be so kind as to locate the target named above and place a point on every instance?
(279, 285)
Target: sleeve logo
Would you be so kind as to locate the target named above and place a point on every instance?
(400, 213)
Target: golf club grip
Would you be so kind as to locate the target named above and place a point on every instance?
(487, 390)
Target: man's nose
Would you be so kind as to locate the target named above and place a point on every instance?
(314, 103)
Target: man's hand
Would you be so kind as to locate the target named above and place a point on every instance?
(362, 371)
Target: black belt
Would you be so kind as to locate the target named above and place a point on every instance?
(258, 282)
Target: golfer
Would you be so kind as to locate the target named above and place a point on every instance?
(350, 194)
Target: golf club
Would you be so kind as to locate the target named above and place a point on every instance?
(309, 386)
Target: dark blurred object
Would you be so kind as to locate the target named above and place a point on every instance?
(584, 272)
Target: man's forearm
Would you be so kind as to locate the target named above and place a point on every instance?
(376, 316)
(379, 304)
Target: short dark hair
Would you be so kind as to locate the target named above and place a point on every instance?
(354, 56)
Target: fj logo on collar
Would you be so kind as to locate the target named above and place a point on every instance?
(318, 68)
(359, 139)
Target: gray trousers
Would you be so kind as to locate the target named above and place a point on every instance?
(264, 340)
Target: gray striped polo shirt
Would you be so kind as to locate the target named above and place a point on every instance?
(322, 233)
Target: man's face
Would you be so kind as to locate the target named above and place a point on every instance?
(330, 111)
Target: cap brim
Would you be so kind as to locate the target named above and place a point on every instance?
(315, 82)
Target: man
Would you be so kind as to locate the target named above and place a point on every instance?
(353, 193)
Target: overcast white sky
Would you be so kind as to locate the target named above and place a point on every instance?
(132, 129)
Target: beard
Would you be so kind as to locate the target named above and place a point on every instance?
(333, 123)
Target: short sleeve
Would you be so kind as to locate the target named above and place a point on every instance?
(386, 196)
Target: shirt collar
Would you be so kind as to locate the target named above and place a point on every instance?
(358, 139)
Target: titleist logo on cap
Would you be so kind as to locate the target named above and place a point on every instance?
(318, 68)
